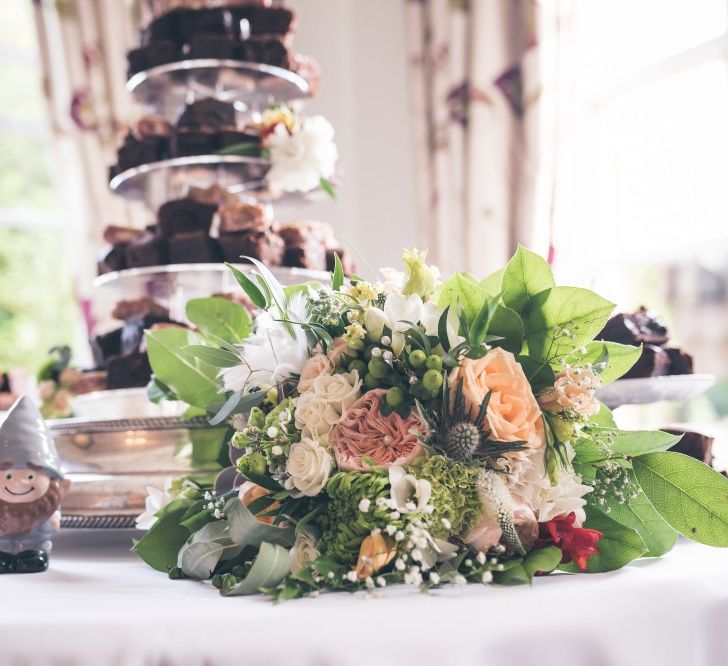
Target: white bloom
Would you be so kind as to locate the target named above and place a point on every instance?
(364, 505)
(156, 500)
(434, 578)
(309, 466)
(339, 391)
(532, 487)
(277, 450)
(300, 159)
(315, 417)
(271, 354)
(431, 319)
(400, 309)
(304, 550)
(272, 432)
(393, 280)
(407, 488)
(374, 321)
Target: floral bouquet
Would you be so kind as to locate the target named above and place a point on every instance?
(413, 430)
(301, 151)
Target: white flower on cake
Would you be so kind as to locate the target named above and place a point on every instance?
(300, 159)
(309, 466)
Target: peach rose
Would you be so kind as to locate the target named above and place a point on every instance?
(315, 367)
(573, 389)
(513, 413)
(375, 553)
(340, 351)
(365, 432)
(249, 492)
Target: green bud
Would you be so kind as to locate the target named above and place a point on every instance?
(563, 429)
(419, 278)
(252, 462)
(175, 573)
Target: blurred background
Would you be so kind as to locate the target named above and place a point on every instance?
(594, 132)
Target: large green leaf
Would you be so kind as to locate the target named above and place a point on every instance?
(463, 288)
(619, 546)
(246, 530)
(688, 494)
(623, 443)
(271, 566)
(198, 559)
(526, 275)
(579, 311)
(161, 544)
(641, 516)
(542, 560)
(192, 380)
(619, 358)
(507, 324)
(221, 317)
(493, 283)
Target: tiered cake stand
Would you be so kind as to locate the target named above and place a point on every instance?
(113, 457)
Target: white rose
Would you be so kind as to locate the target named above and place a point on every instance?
(408, 492)
(314, 416)
(316, 366)
(304, 550)
(308, 466)
(339, 391)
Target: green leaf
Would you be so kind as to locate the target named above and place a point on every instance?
(526, 275)
(688, 494)
(623, 443)
(513, 575)
(161, 544)
(604, 418)
(221, 317)
(337, 279)
(192, 380)
(247, 149)
(198, 559)
(219, 358)
(327, 186)
(271, 566)
(539, 373)
(619, 358)
(542, 560)
(442, 329)
(249, 287)
(246, 530)
(464, 289)
(207, 444)
(493, 283)
(580, 311)
(158, 391)
(641, 516)
(507, 324)
(619, 546)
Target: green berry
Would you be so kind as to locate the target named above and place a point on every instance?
(175, 573)
(395, 396)
(432, 380)
(272, 396)
(378, 368)
(370, 381)
(217, 581)
(417, 358)
(433, 362)
(359, 366)
(367, 353)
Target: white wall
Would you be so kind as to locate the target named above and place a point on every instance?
(360, 45)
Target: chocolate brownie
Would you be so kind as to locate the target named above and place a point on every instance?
(130, 371)
(135, 151)
(184, 216)
(146, 57)
(265, 246)
(311, 255)
(298, 233)
(635, 328)
(347, 262)
(693, 444)
(152, 125)
(128, 309)
(195, 142)
(266, 50)
(208, 113)
(239, 216)
(193, 247)
(654, 362)
(681, 363)
(117, 235)
(114, 259)
(215, 195)
(223, 47)
(106, 345)
(149, 250)
(264, 20)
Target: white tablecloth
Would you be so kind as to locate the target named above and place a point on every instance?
(100, 605)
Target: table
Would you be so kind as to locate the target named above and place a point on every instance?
(98, 604)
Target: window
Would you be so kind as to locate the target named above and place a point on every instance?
(37, 308)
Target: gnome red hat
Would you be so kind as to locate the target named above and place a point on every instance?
(25, 440)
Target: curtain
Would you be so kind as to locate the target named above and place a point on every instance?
(482, 121)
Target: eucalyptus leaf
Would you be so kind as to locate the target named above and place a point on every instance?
(552, 312)
(271, 566)
(198, 559)
(619, 546)
(526, 275)
(246, 530)
(337, 278)
(688, 494)
(249, 287)
(219, 358)
(192, 380)
(221, 317)
(227, 409)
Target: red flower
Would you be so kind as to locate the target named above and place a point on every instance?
(577, 544)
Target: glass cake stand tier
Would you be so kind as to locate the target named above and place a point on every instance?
(251, 86)
(155, 183)
(175, 284)
(112, 462)
(643, 391)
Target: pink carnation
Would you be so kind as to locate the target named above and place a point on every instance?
(366, 433)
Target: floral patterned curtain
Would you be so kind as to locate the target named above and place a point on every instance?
(479, 114)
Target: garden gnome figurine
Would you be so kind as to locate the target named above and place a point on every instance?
(31, 488)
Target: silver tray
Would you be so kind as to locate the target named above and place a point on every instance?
(175, 284)
(643, 391)
(165, 89)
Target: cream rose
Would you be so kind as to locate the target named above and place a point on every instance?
(340, 351)
(304, 550)
(339, 391)
(308, 467)
(513, 413)
(315, 417)
(316, 366)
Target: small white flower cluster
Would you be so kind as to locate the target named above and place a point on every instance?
(215, 504)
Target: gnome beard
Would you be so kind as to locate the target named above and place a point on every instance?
(17, 519)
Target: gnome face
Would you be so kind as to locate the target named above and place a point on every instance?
(20, 486)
